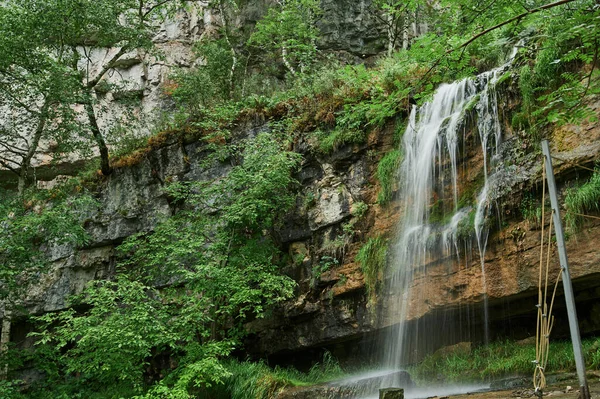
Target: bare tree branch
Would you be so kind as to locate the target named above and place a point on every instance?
(19, 102)
(108, 66)
(510, 20)
(13, 150)
(4, 163)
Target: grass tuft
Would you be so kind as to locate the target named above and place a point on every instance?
(582, 199)
(256, 380)
(501, 359)
(387, 172)
(372, 259)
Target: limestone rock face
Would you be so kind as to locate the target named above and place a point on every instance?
(68, 276)
(352, 27)
(347, 27)
(325, 230)
(331, 308)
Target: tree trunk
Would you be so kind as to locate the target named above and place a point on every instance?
(391, 33)
(35, 141)
(405, 25)
(286, 62)
(104, 162)
(234, 58)
(4, 340)
(22, 182)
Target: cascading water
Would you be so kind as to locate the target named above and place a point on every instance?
(432, 139)
(431, 133)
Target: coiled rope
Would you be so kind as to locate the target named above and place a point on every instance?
(545, 320)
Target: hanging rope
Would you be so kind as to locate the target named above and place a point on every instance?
(571, 163)
(584, 216)
(545, 320)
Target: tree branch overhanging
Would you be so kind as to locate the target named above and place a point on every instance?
(491, 29)
(510, 20)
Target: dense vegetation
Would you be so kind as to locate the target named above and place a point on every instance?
(165, 324)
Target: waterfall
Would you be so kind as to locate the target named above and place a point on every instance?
(428, 234)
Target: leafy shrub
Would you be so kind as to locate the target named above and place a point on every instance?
(41, 219)
(216, 264)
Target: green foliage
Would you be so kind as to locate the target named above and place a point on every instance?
(531, 209)
(329, 141)
(563, 77)
(497, 360)
(372, 258)
(32, 225)
(250, 380)
(438, 213)
(208, 85)
(466, 227)
(10, 390)
(324, 265)
(387, 174)
(184, 290)
(359, 209)
(289, 29)
(593, 355)
(217, 264)
(582, 199)
(116, 336)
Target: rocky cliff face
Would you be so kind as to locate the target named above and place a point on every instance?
(331, 309)
(448, 291)
(349, 29)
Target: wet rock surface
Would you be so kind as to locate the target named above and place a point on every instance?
(391, 393)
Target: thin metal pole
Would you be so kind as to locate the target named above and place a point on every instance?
(566, 276)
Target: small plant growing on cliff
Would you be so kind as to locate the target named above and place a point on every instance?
(359, 209)
(466, 227)
(310, 199)
(372, 258)
(387, 173)
(530, 209)
(324, 265)
(582, 199)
